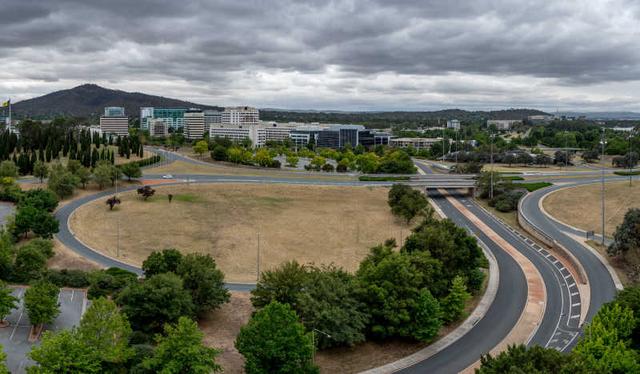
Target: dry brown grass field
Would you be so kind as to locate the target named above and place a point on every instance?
(311, 224)
(580, 206)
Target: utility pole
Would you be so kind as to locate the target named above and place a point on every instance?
(603, 142)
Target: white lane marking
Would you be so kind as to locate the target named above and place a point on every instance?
(572, 285)
(575, 293)
(576, 316)
(576, 304)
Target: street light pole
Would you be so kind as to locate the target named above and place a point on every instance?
(603, 142)
(313, 338)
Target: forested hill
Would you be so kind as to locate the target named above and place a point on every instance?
(89, 100)
(384, 119)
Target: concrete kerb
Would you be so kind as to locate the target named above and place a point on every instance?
(602, 259)
(466, 326)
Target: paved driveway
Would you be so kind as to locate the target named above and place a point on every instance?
(14, 338)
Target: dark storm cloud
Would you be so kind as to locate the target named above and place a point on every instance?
(341, 45)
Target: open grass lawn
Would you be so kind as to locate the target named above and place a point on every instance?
(319, 224)
(580, 206)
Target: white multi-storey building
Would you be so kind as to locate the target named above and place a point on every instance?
(453, 124)
(503, 124)
(193, 124)
(159, 128)
(240, 115)
(114, 122)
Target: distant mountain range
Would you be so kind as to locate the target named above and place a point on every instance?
(89, 100)
(631, 116)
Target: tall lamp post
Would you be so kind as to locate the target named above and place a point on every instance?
(313, 338)
(603, 142)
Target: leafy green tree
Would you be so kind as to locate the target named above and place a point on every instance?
(520, 359)
(604, 347)
(164, 261)
(282, 284)
(84, 176)
(61, 181)
(201, 147)
(158, 300)
(25, 219)
(428, 317)
(30, 264)
(63, 352)
(7, 302)
(41, 302)
(454, 303)
(40, 170)
(3, 359)
(107, 331)
(292, 161)
(627, 235)
(109, 282)
(317, 162)
(263, 157)
(274, 341)
(397, 162)
(329, 303)
(131, 170)
(630, 298)
(180, 350)
(102, 174)
(406, 202)
(219, 153)
(8, 169)
(73, 166)
(368, 163)
(39, 198)
(204, 281)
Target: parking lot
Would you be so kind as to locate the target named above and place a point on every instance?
(15, 338)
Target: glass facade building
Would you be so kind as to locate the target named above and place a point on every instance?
(173, 117)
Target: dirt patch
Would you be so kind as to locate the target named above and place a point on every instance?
(223, 325)
(64, 258)
(311, 224)
(580, 206)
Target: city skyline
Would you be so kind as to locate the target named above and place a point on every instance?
(350, 56)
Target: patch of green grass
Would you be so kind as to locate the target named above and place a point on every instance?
(367, 178)
(512, 178)
(534, 185)
(187, 198)
(627, 173)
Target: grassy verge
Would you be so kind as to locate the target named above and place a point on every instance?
(627, 173)
(512, 177)
(366, 178)
(534, 185)
(621, 267)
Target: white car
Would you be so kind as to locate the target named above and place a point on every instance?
(167, 176)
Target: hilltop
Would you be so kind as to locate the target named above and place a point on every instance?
(89, 100)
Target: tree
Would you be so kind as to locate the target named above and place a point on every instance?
(454, 303)
(520, 359)
(281, 284)
(164, 261)
(43, 199)
(8, 169)
(329, 303)
(41, 302)
(292, 161)
(201, 147)
(629, 297)
(113, 201)
(40, 170)
(274, 341)
(7, 302)
(61, 181)
(107, 331)
(428, 317)
(131, 170)
(102, 174)
(263, 157)
(627, 235)
(406, 202)
(180, 350)
(30, 264)
(158, 300)
(317, 162)
(204, 281)
(3, 359)
(63, 352)
(219, 153)
(591, 155)
(146, 192)
(84, 176)
(25, 219)
(45, 225)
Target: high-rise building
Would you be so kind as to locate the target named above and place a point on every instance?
(193, 124)
(211, 117)
(114, 122)
(158, 128)
(173, 117)
(114, 111)
(453, 124)
(240, 115)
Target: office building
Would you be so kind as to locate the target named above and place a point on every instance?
(453, 124)
(193, 124)
(540, 118)
(211, 117)
(173, 117)
(416, 143)
(238, 133)
(503, 124)
(240, 115)
(114, 122)
(158, 128)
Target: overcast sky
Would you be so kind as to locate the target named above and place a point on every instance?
(345, 55)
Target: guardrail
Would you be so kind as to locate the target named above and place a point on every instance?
(533, 230)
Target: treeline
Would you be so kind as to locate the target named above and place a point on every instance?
(408, 292)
